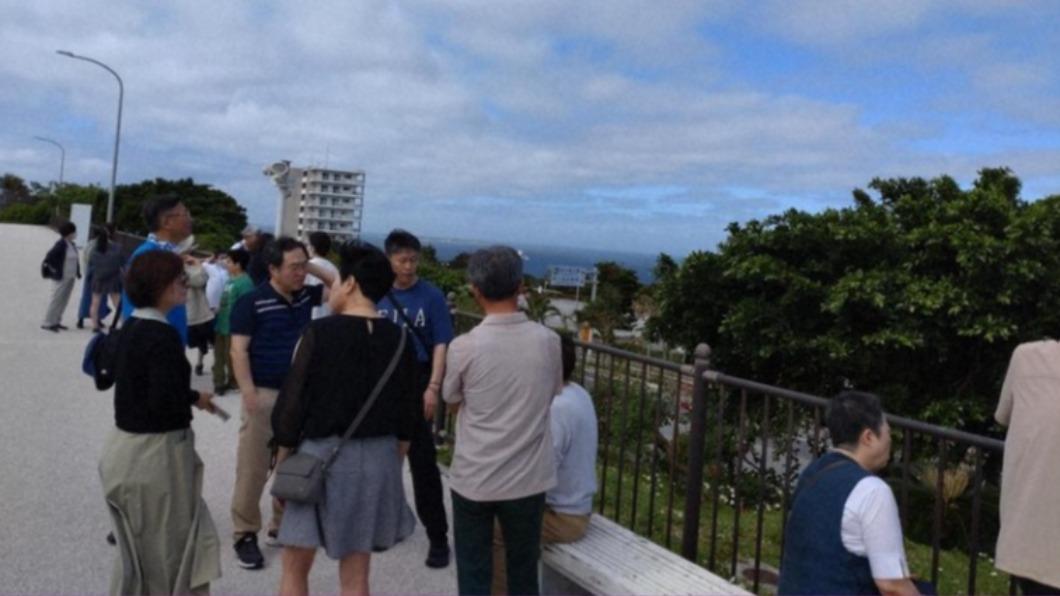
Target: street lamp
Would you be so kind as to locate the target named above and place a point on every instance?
(62, 155)
(117, 133)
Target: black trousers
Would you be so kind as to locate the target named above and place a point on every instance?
(426, 479)
(520, 521)
(1029, 587)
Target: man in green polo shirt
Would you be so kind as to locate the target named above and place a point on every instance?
(238, 284)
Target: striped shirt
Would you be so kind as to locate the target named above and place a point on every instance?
(274, 326)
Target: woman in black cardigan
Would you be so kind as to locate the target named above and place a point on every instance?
(62, 266)
(152, 477)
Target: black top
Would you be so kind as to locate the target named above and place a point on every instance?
(152, 379)
(55, 261)
(336, 365)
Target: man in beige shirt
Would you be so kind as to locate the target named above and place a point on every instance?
(501, 378)
(1030, 477)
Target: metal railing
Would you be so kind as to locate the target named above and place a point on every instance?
(686, 453)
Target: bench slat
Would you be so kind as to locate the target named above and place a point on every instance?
(610, 559)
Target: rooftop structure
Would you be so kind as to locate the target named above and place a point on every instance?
(318, 199)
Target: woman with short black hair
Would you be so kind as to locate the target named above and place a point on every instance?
(337, 363)
(151, 474)
(62, 266)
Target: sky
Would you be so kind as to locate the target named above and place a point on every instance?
(635, 126)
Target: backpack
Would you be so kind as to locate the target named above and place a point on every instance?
(101, 355)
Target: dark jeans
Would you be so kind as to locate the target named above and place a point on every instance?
(520, 521)
(426, 479)
(1030, 587)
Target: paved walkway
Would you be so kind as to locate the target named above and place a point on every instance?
(54, 523)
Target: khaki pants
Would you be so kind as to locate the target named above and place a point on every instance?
(61, 291)
(252, 467)
(555, 528)
(222, 362)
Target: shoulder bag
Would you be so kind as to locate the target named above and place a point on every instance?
(300, 477)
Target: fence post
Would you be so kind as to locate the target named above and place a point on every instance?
(697, 440)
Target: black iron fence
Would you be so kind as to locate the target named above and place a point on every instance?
(705, 464)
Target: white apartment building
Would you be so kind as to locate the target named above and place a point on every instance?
(318, 199)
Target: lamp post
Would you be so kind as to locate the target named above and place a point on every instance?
(117, 133)
(62, 155)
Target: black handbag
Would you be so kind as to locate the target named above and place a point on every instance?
(300, 477)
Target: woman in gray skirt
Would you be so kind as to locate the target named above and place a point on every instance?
(337, 363)
(105, 263)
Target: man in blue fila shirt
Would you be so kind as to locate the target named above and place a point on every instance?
(427, 314)
(266, 325)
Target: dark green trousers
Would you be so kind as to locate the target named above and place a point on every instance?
(520, 522)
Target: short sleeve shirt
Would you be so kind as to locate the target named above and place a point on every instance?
(426, 308)
(871, 528)
(235, 288)
(274, 326)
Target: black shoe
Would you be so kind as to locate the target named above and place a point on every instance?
(52, 328)
(248, 555)
(438, 556)
(63, 327)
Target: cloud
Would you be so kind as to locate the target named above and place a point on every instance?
(489, 120)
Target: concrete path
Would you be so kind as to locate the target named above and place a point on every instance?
(54, 424)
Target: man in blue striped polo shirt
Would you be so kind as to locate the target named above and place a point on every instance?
(265, 326)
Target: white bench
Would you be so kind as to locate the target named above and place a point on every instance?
(610, 559)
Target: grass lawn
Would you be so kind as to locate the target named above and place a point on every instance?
(953, 565)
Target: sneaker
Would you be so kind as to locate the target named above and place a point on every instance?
(248, 554)
(272, 538)
(438, 556)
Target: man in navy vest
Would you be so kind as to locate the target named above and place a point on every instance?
(843, 534)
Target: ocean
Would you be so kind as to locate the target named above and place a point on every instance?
(537, 259)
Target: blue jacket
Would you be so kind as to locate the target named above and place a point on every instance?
(178, 316)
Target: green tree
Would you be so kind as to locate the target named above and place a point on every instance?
(919, 294)
(13, 190)
(219, 219)
(605, 314)
(539, 306)
(622, 279)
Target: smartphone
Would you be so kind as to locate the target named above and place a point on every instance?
(220, 413)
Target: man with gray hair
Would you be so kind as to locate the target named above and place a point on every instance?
(501, 377)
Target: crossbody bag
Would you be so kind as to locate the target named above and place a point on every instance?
(300, 477)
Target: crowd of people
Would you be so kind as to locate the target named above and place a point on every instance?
(304, 342)
(353, 362)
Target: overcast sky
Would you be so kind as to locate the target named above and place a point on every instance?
(641, 126)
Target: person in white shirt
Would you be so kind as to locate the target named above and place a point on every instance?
(319, 249)
(843, 534)
(568, 506)
(215, 285)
